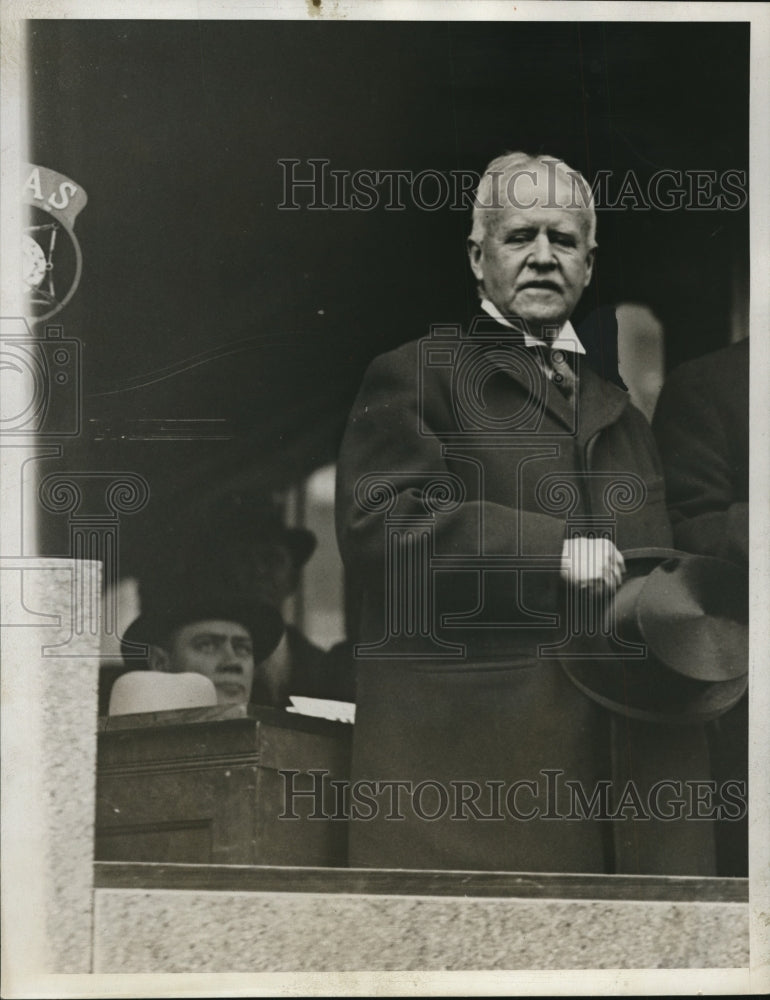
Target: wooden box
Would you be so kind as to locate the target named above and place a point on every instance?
(205, 786)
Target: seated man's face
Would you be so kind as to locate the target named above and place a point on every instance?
(277, 577)
(221, 651)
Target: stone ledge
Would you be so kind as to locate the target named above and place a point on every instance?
(191, 931)
(418, 882)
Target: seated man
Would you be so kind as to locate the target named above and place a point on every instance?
(220, 640)
(239, 545)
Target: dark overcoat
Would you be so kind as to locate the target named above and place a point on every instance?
(462, 471)
(701, 426)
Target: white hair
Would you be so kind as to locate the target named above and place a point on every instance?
(506, 168)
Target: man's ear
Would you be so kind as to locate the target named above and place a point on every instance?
(590, 257)
(474, 256)
(158, 659)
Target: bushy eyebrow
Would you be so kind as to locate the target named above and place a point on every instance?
(524, 230)
(220, 637)
(519, 230)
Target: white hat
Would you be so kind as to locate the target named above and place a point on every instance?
(154, 691)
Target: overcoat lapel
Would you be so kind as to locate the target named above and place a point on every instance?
(487, 334)
(598, 404)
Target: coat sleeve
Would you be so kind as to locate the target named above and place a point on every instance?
(708, 514)
(389, 436)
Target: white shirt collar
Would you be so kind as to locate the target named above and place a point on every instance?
(567, 340)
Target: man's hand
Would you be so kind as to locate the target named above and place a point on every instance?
(592, 564)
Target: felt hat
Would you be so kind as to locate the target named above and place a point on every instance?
(152, 691)
(678, 629)
(263, 622)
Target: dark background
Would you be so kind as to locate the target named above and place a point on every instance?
(201, 299)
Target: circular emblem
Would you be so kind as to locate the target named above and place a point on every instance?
(51, 260)
(33, 262)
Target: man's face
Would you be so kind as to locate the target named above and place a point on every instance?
(277, 577)
(534, 262)
(221, 651)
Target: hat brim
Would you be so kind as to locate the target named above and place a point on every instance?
(653, 693)
(692, 613)
(696, 661)
(263, 623)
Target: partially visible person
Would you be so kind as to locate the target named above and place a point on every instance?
(701, 425)
(277, 555)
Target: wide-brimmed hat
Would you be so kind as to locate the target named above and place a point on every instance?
(154, 625)
(153, 691)
(685, 617)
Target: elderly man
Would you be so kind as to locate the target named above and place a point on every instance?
(488, 483)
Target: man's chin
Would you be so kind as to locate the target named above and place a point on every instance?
(546, 315)
(231, 693)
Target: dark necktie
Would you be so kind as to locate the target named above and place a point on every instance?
(553, 361)
(563, 376)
